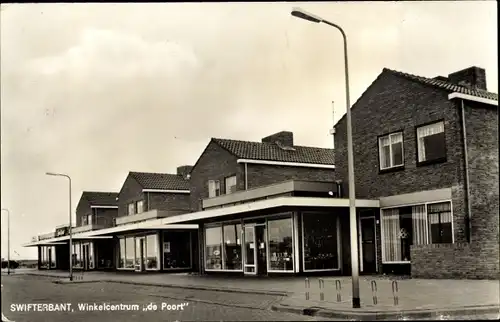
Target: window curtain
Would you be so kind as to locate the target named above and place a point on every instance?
(424, 131)
(420, 228)
(392, 242)
(384, 152)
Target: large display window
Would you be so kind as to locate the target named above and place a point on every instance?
(121, 263)
(176, 250)
(152, 251)
(232, 247)
(129, 252)
(213, 248)
(320, 242)
(47, 257)
(280, 251)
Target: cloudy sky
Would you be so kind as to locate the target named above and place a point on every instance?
(97, 90)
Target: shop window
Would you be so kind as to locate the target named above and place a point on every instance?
(152, 252)
(320, 242)
(232, 247)
(176, 250)
(121, 264)
(52, 257)
(91, 255)
(129, 252)
(280, 244)
(213, 248)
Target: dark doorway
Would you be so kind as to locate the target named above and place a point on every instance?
(368, 243)
(260, 236)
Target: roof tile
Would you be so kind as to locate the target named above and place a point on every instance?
(163, 181)
(272, 152)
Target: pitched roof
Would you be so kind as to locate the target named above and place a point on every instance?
(163, 181)
(438, 83)
(97, 198)
(273, 152)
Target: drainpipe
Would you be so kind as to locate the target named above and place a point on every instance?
(246, 176)
(467, 183)
(147, 196)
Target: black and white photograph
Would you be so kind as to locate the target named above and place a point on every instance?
(249, 161)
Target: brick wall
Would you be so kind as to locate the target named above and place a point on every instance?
(105, 216)
(167, 201)
(215, 163)
(262, 175)
(131, 191)
(82, 210)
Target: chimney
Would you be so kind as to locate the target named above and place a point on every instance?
(284, 138)
(184, 170)
(473, 77)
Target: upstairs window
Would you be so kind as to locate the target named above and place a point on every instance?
(131, 209)
(140, 206)
(213, 188)
(391, 151)
(431, 143)
(89, 220)
(84, 221)
(230, 184)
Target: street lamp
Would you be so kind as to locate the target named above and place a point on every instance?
(8, 240)
(70, 224)
(356, 303)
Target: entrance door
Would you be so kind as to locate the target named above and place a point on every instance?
(250, 250)
(50, 258)
(139, 254)
(260, 236)
(369, 250)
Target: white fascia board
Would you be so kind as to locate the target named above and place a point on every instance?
(150, 224)
(268, 204)
(166, 191)
(104, 207)
(473, 98)
(287, 164)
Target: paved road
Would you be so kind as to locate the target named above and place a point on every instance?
(198, 305)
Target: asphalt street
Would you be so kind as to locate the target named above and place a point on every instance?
(137, 303)
(27, 298)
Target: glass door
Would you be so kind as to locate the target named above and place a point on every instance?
(140, 253)
(85, 256)
(250, 250)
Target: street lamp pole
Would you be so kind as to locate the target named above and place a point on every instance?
(8, 240)
(356, 302)
(70, 224)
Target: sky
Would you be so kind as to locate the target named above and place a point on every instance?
(98, 90)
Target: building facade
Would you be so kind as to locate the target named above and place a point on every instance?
(427, 148)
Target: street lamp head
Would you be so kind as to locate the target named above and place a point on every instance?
(299, 13)
(51, 174)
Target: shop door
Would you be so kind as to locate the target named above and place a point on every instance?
(50, 258)
(261, 246)
(139, 254)
(369, 250)
(250, 253)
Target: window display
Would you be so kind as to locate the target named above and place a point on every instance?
(176, 250)
(320, 241)
(121, 263)
(152, 252)
(280, 244)
(213, 248)
(129, 252)
(232, 247)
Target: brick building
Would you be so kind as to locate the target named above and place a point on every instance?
(427, 148)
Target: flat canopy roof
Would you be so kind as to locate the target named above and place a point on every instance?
(59, 240)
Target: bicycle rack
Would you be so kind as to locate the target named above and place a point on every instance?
(307, 287)
(338, 287)
(374, 292)
(395, 291)
(321, 288)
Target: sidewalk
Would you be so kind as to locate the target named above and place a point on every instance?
(416, 298)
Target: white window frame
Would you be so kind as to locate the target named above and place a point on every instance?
(390, 136)
(139, 202)
(213, 188)
(337, 222)
(420, 128)
(228, 187)
(382, 233)
(131, 213)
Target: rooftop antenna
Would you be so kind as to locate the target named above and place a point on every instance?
(332, 130)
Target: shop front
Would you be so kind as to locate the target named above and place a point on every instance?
(160, 250)
(83, 255)
(47, 257)
(281, 243)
